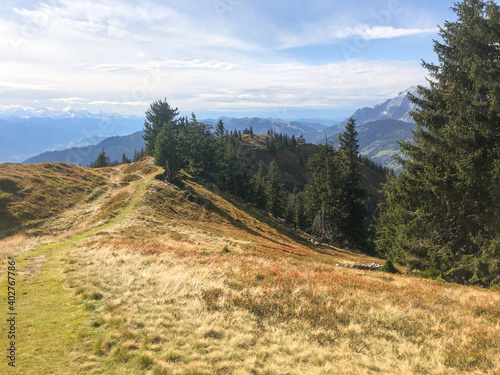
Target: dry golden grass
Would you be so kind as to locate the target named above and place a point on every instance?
(32, 192)
(192, 283)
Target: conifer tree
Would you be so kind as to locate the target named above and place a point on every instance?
(323, 195)
(166, 150)
(259, 187)
(125, 160)
(219, 130)
(353, 226)
(158, 114)
(101, 161)
(274, 190)
(442, 212)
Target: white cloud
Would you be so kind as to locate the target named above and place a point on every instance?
(381, 32)
(318, 35)
(26, 86)
(69, 100)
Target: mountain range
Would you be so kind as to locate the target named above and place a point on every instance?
(29, 132)
(42, 135)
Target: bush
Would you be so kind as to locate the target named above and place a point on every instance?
(160, 176)
(224, 250)
(388, 267)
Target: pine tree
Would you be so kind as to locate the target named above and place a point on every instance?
(166, 150)
(219, 130)
(138, 155)
(323, 196)
(125, 160)
(158, 114)
(354, 226)
(101, 161)
(274, 190)
(442, 212)
(259, 187)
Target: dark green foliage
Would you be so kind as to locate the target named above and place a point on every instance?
(388, 267)
(353, 227)
(126, 160)
(158, 114)
(194, 147)
(323, 195)
(101, 161)
(335, 207)
(442, 212)
(274, 190)
(259, 187)
(138, 155)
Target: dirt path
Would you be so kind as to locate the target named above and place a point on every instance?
(50, 319)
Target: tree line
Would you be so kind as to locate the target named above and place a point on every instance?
(103, 160)
(336, 214)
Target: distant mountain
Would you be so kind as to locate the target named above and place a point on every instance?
(381, 127)
(377, 139)
(398, 108)
(28, 132)
(113, 146)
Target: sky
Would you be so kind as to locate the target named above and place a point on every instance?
(285, 59)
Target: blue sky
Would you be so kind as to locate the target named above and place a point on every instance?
(287, 59)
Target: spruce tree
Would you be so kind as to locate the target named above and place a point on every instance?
(166, 150)
(323, 195)
(158, 114)
(442, 212)
(101, 161)
(274, 190)
(353, 227)
(258, 183)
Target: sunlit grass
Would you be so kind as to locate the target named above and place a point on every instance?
(175, 285)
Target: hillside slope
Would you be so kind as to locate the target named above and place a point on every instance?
(154, 278)
(114, 147)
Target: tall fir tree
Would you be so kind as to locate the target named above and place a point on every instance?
(274, 190)
(442, 212)
(323, 195)
(166, 150)
(258, 183)
(353, 227)
(158, 114)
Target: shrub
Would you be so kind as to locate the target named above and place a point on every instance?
(389, 267)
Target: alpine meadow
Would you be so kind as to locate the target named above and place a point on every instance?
(215, 250)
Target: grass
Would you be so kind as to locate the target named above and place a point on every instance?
(151, 292)
(31, 192)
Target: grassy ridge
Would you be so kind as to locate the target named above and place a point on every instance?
(52, 320)
(32, 192)
(186, 281)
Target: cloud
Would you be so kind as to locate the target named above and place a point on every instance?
(119, 53)
(160, 64)
(316, 35)
(116, 103)
(27, 86)
(381, 32)
(69, 100)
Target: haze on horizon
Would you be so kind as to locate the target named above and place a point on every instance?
(285, 59)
